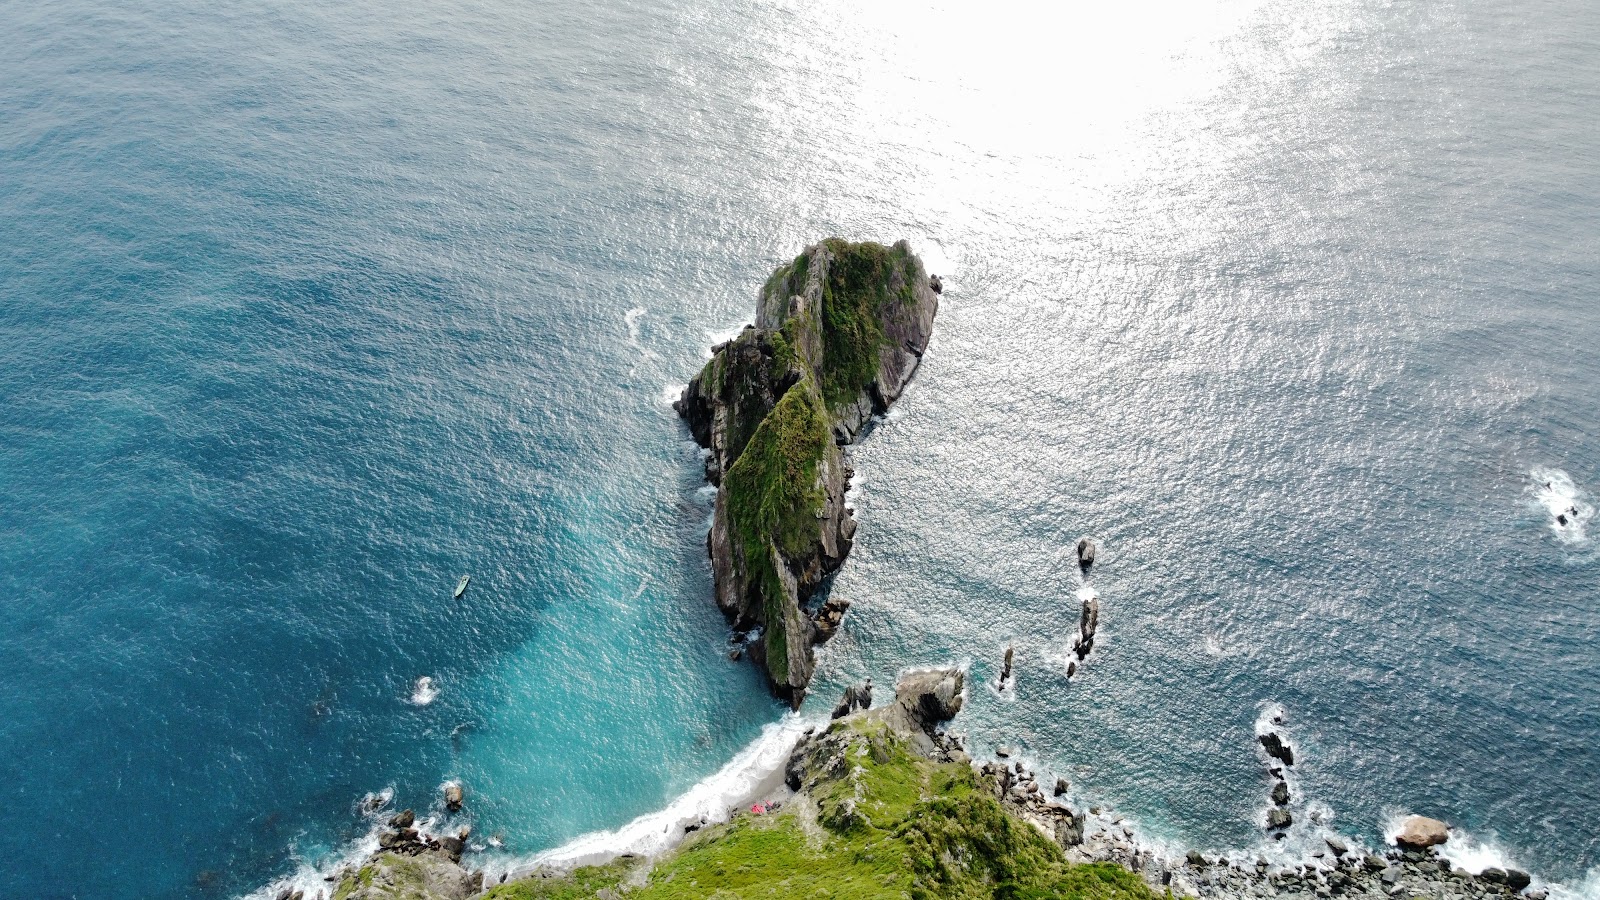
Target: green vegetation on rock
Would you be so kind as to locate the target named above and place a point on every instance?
(774, 497)
(882, 823)
(862, 278)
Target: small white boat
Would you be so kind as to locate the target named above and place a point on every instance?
(461, 587)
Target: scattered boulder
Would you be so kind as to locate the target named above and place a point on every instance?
(1278, 817)
(1086, 550)
(1336, 844)
(1280, 794)
(1420, 832)
(1061, 786)
(1517, 880)
(830, 616)
(453, 796)
(935, 284)
(404, 819)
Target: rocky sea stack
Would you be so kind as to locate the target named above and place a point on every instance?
(838, 333)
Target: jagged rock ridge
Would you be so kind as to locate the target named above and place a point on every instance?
(838, 333)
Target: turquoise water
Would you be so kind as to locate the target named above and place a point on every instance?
(309, 309)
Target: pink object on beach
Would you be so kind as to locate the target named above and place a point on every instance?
(758, 809)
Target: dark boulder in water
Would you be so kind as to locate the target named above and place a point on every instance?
(453, 796)
(1085, 553)
(1279, 817)
(1280, 794)
(403, 820)
(1517, 880)
(1276, 748)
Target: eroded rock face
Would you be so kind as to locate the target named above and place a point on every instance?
(1419, 832)
(838, 333)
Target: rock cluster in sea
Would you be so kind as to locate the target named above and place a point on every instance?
(1413, 869)
(838, 334)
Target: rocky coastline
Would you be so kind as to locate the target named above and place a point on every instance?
(893, 780)
(838, 333)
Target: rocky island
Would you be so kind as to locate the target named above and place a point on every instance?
(838, 333)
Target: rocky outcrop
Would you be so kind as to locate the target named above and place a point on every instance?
(432, 875)
(838, 333)
(411, 864)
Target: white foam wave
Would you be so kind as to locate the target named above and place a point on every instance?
(1467, 852)
(935, 260)
(1272, 716)
(1587, 889)
(313, 869)
(1216, 648)
(631, 319)
(721, 336)
(1464, 849)
(1557, 496)
(423, 692)
(670, 392)
(756, 772)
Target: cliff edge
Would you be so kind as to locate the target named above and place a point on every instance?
(838, 334)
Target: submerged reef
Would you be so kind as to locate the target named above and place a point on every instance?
(838, 333)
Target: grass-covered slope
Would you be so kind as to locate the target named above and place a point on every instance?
(875, 821)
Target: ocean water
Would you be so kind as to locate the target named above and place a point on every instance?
(307, 309)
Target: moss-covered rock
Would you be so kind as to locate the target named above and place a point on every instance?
(838, 333)
(389, 876)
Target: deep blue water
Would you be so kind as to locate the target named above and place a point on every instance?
(307, 309)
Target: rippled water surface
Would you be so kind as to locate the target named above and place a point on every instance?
(307, 309)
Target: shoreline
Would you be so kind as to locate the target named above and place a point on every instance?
(1313, 862)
